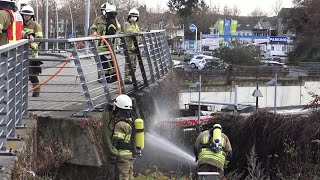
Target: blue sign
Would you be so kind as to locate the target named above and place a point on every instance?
(209, 36)
(227, 29)
(71, 36)
(278, 39)
(192, 27)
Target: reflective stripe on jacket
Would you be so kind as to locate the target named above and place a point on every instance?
(207, 153)
(122, 131)
(14, 31)
(99, 27)
(32, 27)
(207, 156)
(130, 28)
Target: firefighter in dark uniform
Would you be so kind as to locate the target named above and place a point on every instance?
(106, 24)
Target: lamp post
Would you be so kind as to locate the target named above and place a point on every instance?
(47, 24)
(257, 93)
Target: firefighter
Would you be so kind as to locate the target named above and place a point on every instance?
(127, 138)
(31, 30)
(106, 24)
(212, 150)
(10, 22)
(131, 27)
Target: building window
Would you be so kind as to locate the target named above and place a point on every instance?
(248, 34)
(272, 48)
(244, 34)
(239, 34)
(284, 48)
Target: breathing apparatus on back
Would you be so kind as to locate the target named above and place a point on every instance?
(216, 138)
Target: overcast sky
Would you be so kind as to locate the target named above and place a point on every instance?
(246, 6)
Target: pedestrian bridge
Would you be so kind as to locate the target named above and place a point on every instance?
(69, 80)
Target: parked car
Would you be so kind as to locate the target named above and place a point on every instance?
(215, 63)
(198, 63)
(273, 63)
(177, 64)
(189, 56)
(199, 57)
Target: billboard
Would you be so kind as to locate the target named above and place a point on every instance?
(227, 24)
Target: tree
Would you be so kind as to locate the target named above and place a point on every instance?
(257, 12)
(227, 11)
(184, 8)
(305, 17)
(239, 55)
(236, 11)
(277, 7)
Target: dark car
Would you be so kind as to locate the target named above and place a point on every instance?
(189, 56)
(216, 63)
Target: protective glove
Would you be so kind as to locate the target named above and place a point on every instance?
(226, 163)
(31, 38)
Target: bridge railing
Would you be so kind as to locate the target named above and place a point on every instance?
(13, 88)
(73, 77)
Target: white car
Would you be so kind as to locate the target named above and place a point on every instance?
(199, 57)
(197, 63)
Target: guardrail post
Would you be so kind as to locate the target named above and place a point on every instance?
(138, 54)
(83, 81)
(159, 53)
(146, 49)
(167, 50)
(3, 101)
(128, 62)
(153, 54)
(161, 42)
(25, 78)
(100, 70)
(19, 84)
(12, 60)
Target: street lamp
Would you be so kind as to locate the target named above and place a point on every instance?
(257, 93)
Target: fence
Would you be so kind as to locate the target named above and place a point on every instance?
(13, 88)
(74, 78)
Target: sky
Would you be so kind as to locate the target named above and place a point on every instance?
(245, 6)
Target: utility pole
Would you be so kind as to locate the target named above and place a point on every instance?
(86, 28)
(47, 24)
(275, 92)
(57, 26)
(71, 16)
(199, 100)
(196, 40)
(37, 11)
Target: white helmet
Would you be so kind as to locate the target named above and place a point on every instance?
(123, 101)
(110, 8)
(103, 6)
(13, 1)
(134, 12)
(27, 10)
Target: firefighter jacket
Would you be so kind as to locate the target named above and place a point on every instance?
(122, 139)
(105, 26)
(130, 28)
(34, 29)
(10, 26)
(207, 156)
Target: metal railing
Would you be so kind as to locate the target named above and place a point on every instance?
(73, 76)
(13, 88)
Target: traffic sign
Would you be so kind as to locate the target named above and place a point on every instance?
(192, 27)
(71, 36)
